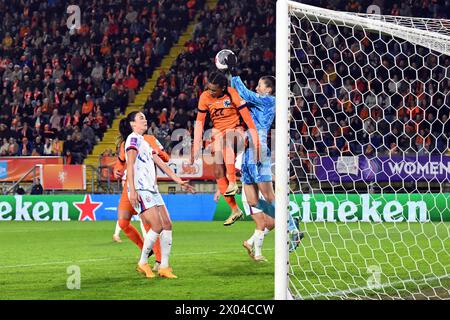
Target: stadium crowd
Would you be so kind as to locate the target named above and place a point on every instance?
(246, 28)
(61, 85)
(367, 95)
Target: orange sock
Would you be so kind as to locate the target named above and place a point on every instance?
(131, 232)
(156, 246)
(230, 159)
(222, 184)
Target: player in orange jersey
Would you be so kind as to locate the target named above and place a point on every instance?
(226, 108)
(125, 209)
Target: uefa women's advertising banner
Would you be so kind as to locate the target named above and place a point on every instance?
(383, 169)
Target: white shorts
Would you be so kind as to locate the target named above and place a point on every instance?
(147, 199)
(247, 209)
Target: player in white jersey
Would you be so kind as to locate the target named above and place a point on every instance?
(143, 191)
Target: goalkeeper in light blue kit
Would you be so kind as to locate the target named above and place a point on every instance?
(256, 176)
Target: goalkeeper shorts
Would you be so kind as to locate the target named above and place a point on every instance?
(252, 173)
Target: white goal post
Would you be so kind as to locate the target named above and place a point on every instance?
(359, 89)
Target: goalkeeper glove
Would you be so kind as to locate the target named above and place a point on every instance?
(231, 62)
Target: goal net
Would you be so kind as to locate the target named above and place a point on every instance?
(367, 139)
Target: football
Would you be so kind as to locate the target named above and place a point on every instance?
(220, 59)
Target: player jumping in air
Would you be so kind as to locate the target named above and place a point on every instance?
(225, 107)
(256, 174)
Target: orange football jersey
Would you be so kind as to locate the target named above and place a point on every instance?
(224, 112)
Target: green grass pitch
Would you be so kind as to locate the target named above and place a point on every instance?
(206, 256)
(210, 262)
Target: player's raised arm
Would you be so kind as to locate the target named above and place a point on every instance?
(167, 170)
(244, 92)
(120, 165)
(198, 129)
(157, 146)
(246, 116)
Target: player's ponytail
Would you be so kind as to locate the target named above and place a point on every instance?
(269, 81)
(219, 79)
(125, 126)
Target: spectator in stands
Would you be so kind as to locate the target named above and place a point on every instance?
(88, 136)
(162, 134)
(25, 148)
(153, 129)
(163, 115)
(4, 148)
(13, 147)
(48, 147)
(77, 149)
(57, 147)
(70, 65)
(97, 74)
(181, 119)
(87, 107)
(20, 190)
(55, 120)
(37, 187)
(132, 85)
(67, 147)
(39, 145)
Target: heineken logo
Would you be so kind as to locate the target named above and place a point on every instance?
(50, 208)
(22, 210)
(371, 208)
(363, 208)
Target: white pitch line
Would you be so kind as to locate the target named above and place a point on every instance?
(382, 286)
(54, 262)
(116, 258)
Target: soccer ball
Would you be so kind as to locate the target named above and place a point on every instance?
(221, 58)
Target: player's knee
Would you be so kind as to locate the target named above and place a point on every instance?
(123, 224)
(218, 173)
(157, 229)
(252, 202)
(167, 226)
(269, 222)
(268, 195)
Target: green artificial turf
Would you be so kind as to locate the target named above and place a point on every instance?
(331, 262)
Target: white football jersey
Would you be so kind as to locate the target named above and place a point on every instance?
(144, 167)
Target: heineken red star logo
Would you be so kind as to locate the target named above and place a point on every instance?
(87, 208)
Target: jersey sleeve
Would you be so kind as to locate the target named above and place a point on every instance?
(236, 99)
(202, 104)
(132, 143)
(121, 155)
(157, 147)
(120, 164)
(245, 93)
(248, 95)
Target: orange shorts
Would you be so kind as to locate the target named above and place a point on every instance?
(230, 141)
(124, 202)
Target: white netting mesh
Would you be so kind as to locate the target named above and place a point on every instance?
(369, 158)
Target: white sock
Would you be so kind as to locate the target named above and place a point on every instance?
(166, 246)
(117, 231)
(149, 241)
(142, 229)
(258, 238)
(251, 240)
